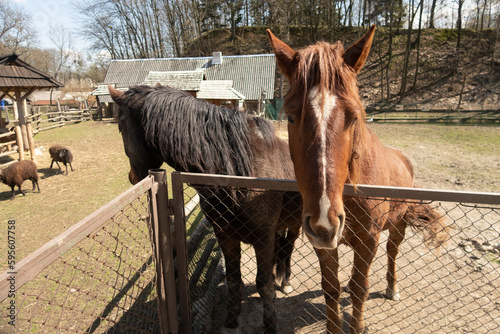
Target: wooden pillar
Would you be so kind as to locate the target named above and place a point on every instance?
(22, 117)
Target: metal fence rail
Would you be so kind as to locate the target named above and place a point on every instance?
(99, 276)
(455, 289)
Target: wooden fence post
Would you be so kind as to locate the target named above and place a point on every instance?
(20, 145)
(162, 238)
(31, 141)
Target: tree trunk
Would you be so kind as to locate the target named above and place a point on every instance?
(431, 15)
(419, 33)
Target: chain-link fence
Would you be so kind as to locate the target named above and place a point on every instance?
(103, 275)
(99, 276)
(455, 289)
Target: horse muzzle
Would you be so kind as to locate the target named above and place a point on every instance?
(324, 233)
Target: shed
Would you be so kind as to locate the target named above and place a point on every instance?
(253, 75)
(220, 92)
(189, 81)
(17, 81)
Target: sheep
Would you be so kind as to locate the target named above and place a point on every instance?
(15, 174)
(62, 154)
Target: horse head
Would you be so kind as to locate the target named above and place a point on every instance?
(324, 119)
(141, 157)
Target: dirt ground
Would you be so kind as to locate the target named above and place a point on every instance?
(454, 290)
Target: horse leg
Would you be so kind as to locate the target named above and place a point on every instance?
(264, 252)
(71, 166)
(396, 236)
(329, 263)
(52, 163)
(364, 253)
(284, 251)
(232, 255)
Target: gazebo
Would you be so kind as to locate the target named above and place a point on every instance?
(17, 81)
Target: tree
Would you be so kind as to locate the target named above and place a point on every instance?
(15, 29)
(125, 28)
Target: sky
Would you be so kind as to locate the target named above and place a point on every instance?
(52, 12)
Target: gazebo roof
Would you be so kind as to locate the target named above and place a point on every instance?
(15, 73)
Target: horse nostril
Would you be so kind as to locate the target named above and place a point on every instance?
(307, 226)
(341, 218)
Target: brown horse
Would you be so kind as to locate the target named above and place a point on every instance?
(162, 124)
(330, 145)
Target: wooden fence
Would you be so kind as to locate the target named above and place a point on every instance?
(403, 114)
(50, 120)
(43, 119)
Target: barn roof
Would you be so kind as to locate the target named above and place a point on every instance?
(15, 73)
(184, 80)
(250, 74)
(218, 90)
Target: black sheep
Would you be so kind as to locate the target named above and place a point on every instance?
(61, 154)
(15, 174)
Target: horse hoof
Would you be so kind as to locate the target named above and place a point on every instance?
(392, 295)
(287, 289)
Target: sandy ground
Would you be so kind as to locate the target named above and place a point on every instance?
(455, 290)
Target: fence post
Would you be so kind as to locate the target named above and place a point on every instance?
(31, 142)
(20, 144)
(180, 236)
(166, 289)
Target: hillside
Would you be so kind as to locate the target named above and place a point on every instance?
(477, 76)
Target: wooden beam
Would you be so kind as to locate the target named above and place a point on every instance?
(28, 93)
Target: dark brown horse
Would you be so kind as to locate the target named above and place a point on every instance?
(164, 124)
(330, 145)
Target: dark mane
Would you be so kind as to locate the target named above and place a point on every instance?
(195, 135)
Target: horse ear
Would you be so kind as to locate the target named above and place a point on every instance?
(158, 85)
(115, 94)
(284, 55)
(356, 55)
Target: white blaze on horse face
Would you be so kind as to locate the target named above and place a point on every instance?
(322, 103)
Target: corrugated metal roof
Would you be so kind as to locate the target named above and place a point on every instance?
(15, 73)
(250, 74)
(218, 90)
(184, 80)
(102, 89)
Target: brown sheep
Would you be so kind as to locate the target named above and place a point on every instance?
(15, 174)
(62, 154)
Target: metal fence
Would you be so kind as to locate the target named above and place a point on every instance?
(455, 289)
(98, 276)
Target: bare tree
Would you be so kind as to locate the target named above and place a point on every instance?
(15, 28)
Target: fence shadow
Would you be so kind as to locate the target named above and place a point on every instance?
(139, 314)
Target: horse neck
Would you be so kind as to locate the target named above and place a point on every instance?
(377, 164)
(198, 137)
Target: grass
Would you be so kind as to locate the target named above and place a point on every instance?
(100, 174)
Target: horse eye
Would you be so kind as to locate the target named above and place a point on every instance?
(290, 119)
(354, 121)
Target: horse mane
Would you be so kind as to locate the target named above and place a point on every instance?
(194, 135)
(322, 64)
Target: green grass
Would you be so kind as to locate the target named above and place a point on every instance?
(100, 174)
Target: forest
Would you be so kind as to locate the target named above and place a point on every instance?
(417, 40)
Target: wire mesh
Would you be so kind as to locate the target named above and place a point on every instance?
(104, 284)
(451, 289)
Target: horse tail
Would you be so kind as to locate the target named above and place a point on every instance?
(427, 219)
